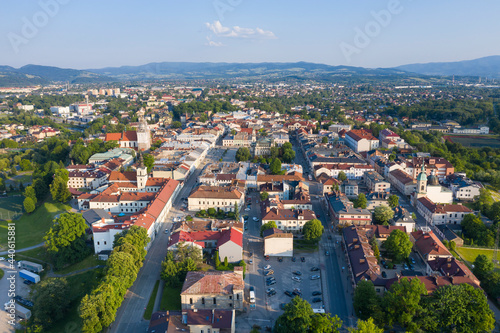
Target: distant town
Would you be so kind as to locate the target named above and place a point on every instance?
(219, 206)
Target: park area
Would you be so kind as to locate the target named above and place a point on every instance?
(470, 254)
(31, 228)
(11, 207)
(475, 141)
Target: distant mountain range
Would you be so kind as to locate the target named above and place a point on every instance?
(35, 74)
(485, 67)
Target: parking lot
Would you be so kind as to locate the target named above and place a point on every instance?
(283, 274)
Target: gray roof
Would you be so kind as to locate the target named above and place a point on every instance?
(94, 215)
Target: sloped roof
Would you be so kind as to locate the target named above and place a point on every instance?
(212, 282)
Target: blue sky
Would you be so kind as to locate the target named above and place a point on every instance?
(94, 34)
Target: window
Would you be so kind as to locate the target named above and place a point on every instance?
(203, 300)
(104, 242)
(190, 301)
(215, 300)
(97, 242)
(230, 297)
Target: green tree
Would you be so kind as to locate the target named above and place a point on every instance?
(243, 154)
(217, 259)
(402, 302)
(225, 262)
(65, 230)
(59, 186)
(263, 196)
(367, 326)
(458, 308)
(342, 176)
(185, 251)
(29, 205)
(275, 167)
(366, 302)
(393, 201)
(51, 301)
(361, 201)
(299, 317)
(169, 271)
(313, 230)
(149, 161)
(383, 214)
(89, 311)
(176, 124)
(398, 245)
(268, 225)
(324, 139)
(29, 192)
(482, 266)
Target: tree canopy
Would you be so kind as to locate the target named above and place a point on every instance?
(268, 225)
(299, 317)
(383, 214)
(398, 245)
(243, 154)
(361, 201)
(393, 201)
(313, 230)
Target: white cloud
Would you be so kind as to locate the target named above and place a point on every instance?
(238, 32)
(212, 43)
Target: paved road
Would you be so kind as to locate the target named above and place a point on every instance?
(129, 316)
(338, 297)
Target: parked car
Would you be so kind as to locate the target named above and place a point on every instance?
(314, 269)
(303, 259)
(288, 293)
(316, 293)
(297, 293)
(296, 279)
(269, 290)
(267, 267)
(384, 274)
(269, 272)
(315, 277)
(272, 293)
(280, 259)
(413, 261)
(267, 258)
(255, 219)
(247, 209)
(250, 261)
(327, 253)
(294, 259)
(270, 283)
(316, 300)
(271, 278)
(297, 273)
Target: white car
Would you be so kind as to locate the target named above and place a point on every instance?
(255, 219)
(296, 279)
(247, 209)
(267, 267)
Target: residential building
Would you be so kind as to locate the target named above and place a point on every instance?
(229, 242)
(350, 188)
(225, 198)
(361, 140)
(436, 214)
(375, 182)
(402, 181)
(363, 263)
(351, 171)
(213, 290)
(403, 218)
(288, 219)
(86, 179)
(209, 321)
(343, 212)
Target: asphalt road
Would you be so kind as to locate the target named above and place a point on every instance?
(129, 315)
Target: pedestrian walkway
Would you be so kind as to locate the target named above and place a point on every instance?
(25, 249)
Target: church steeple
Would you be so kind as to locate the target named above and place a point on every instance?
(422, 181)
(142, 174)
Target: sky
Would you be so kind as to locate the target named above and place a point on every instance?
(368, 33)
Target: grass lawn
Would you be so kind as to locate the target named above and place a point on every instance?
(171, 298)
(31, 228)
(470, 254)
(38, 255)
(304, 246)
(149, 308)
(81, 285)
(10, 207)
(90, 261)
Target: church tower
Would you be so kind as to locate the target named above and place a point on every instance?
(422, 181)
(143, 133)
(142, 175)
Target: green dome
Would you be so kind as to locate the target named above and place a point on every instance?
(422, 177)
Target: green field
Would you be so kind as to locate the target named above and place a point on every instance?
(151, 303)
(171, 298)
(476, 141)
(11, 207)
(31, 228)
(470, 254)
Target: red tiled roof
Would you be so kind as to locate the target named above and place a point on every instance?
(117, 176)
(113, 136)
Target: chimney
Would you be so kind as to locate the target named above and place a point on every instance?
(362, 261)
